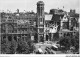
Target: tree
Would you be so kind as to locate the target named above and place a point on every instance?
(8, 47)
(75, 41)
(13, 47)
(70, 41)
(65, 41)
(25, 47)
(4, 47)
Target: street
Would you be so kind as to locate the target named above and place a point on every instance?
(49, 44)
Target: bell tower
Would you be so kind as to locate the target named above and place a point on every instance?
(40, 21)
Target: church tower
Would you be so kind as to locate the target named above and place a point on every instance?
(40, 20)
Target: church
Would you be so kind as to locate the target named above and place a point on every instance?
(38, 27)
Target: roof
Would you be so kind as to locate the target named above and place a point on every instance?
(24, 16)
(40, 2)
(73, 14)
(56, 17)
(48, 17)
(57, 11)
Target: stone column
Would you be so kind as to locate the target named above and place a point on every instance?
(6, 38)
(70, 23)
(38, 38)
(52, 36)
(61, 25)
(44, 37)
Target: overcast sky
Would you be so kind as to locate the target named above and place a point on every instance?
(29, 5)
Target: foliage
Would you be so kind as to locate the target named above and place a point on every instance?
(4, 47)
(13, 46)
(20, 46)
(72, 41)
(65, 41)
(8, 47)
(25, 47)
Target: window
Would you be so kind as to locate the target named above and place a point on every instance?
(41, 20)
(41, 11)
(9, 38)
(15, 31)
(22, 34)
(26, 29)
(23, 38)
(41, 30)
(26, 35)
(4, 37)
(15, 38)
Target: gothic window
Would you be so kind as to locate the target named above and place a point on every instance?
(15, 38)
(9, 38)
(41, 11)
(3, 26)
(10, 27)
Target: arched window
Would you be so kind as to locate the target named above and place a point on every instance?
(15, 38)
(4, 37)
(9, 38)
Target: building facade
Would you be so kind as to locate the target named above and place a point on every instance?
(40, 20)
(8, 27)
(39, 26)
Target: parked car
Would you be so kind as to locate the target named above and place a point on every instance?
(49, 51)
(54, 47)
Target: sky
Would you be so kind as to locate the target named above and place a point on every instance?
(30, 5)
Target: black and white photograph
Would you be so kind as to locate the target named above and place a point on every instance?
(39, 27)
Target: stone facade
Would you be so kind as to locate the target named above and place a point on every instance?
(40, 20)
(36, 26)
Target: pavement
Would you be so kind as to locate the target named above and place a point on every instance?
(48, 44)
(44, 45)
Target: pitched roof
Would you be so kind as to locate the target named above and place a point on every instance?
(48, 17)
(56, 17)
